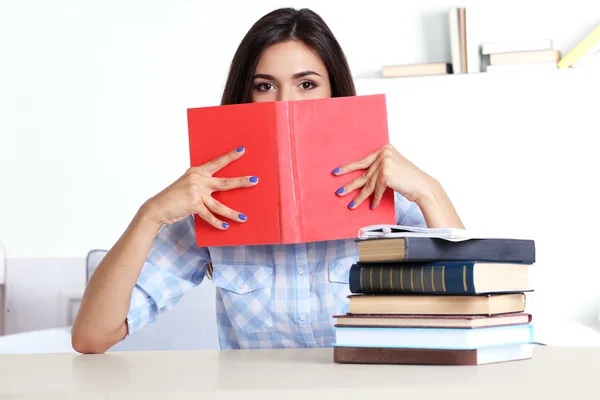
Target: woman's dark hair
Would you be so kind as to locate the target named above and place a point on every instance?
(278, 26)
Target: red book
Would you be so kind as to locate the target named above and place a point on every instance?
(292, 146)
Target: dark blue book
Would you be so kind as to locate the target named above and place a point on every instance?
(440, 277)
(428, 249)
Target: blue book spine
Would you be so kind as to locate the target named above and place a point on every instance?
(452, 277)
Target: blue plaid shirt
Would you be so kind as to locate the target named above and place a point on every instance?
(272, 296)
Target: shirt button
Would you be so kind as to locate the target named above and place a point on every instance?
(242, 286)
(300, 271)
(302, 317)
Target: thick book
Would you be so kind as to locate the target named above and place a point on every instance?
(425, 69)
(525, 57)
(549, 66)
(432, 321)
(440, 277)
(433, 338)
(417, 249)
(292, 147)
(487, 355)
(437, 305)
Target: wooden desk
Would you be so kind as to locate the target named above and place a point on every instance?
(308, 374)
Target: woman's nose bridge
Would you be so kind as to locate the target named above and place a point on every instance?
(287, 92)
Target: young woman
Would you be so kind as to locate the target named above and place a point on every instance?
(267, 296)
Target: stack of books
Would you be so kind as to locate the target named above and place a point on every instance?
(429, 296)
(530, 55)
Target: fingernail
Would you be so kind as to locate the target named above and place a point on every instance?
(239, 149)
(340, 191)
(242, 217)
(351, 205)
(335, 171)
(253, 179)
(225, 225)
(372, 206)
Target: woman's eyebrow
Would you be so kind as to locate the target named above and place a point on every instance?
(303, 74)
(264, 76)
(295, 76)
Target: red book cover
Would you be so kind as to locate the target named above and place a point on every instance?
(292, 146)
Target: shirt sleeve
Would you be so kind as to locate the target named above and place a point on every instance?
(173, 266)
(408, 213)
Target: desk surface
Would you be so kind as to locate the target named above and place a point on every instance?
(307, 374)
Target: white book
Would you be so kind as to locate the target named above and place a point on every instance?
(544, 66)
(384, 231)
(515, 46)
(595, 49)
(433, 338)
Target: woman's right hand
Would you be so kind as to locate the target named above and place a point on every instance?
(192, 194)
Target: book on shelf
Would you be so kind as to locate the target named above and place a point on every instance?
(542, 66)
(406, 356)
(514, 46)
(437, 338)
(432, 321)
(589, 53)
(525, 57)
(579, 51)
(292, 147)
(425, 69)
(440, 277)
(437, 304)
(458, 39)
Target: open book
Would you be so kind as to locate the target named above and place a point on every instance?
(450, 234)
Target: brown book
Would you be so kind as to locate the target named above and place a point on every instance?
(525, 57)
(398, 71)
(374, 355)
(437, 305)
(431, 321)
(462, 22)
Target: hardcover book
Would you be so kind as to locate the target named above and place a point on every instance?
(292, 147)
(486, 355)
(440, 277)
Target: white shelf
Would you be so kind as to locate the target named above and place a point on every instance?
(390, 85)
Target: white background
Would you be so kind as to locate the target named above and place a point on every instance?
(93, 99)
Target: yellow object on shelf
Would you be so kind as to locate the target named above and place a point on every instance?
(580, 49)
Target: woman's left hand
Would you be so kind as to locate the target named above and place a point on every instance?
(385, 168)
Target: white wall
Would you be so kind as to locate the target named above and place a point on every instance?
(93, 98)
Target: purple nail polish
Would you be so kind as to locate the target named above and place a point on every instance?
(239, 149)
(351, 205)
(225, 225)
(372, 206)
(242, 217)
(335, 171)
(253, 179)
(340, 191)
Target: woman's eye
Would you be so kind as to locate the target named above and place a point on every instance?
(265, 87)
(307, 85)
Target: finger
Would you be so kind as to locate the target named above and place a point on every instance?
(377, 195)
(221, 184)
(363, 194)
(220, 162)
(216, 207)
(206, 215)
(355, 184)
(356, 165)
